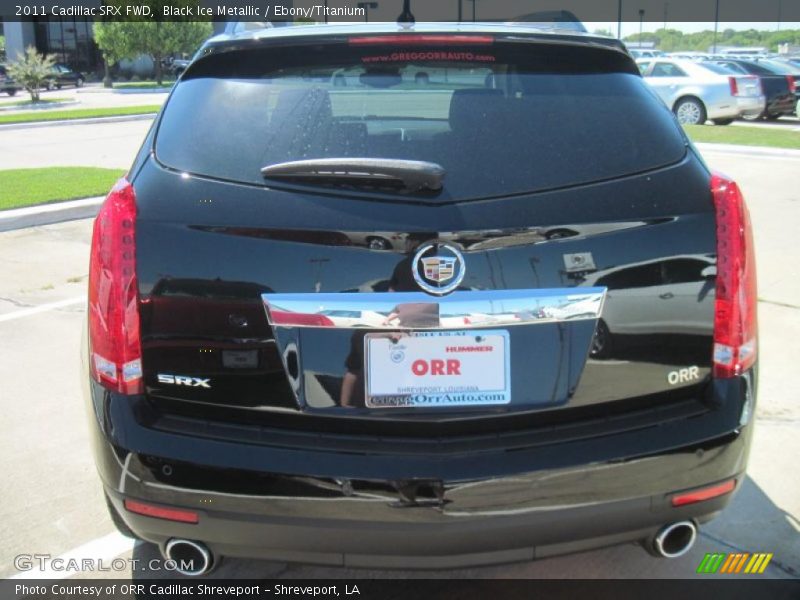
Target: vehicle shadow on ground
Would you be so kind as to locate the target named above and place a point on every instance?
(751, 523)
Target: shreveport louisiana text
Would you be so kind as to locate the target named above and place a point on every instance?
(176, 589)
(254, 10)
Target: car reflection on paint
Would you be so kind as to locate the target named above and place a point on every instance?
(354, 318)
(644, 298)
(583, 307)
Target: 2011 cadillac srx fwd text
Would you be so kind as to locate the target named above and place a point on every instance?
(430, 296)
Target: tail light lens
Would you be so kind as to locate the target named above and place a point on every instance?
(735, 318)
(734, 86)
(792, 83)
(114, 336)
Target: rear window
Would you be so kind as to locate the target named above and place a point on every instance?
(756, 68)
(718, 69)
(499, 118)
(777, 67)
(665, 69)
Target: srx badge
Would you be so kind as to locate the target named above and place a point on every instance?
(184, 380)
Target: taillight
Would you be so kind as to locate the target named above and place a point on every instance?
(734, 86)
(422, 40)
(735, 319)
(792, 83)
(114, 338)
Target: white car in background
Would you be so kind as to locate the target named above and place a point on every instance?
(643, 298)
(698, 91)
(636, 53)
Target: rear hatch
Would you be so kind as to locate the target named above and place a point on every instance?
(582, 222)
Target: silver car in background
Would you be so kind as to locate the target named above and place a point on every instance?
(698, 91)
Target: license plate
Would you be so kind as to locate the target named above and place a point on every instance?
(437, 368)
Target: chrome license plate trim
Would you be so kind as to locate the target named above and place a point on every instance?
(415, 311)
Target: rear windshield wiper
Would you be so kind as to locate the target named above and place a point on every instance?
(409, 176)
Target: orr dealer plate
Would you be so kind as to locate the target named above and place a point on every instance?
(437, 368)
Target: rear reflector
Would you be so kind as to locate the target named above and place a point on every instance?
(706, 493)
(422, 40)
(114, 337)
(159, 512)
(735, 308)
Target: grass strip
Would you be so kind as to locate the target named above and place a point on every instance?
(27, 187)
(79, 113)
(744, 136)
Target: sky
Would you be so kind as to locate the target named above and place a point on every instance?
(632, 27)
(687, 15)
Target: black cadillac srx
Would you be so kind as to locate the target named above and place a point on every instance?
(425, 297)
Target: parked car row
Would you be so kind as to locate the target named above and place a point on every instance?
(779, 82)
(697, 92)
(723, 90)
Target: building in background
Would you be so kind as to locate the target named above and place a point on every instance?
(70, 40)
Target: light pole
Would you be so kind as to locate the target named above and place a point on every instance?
(641, 24)
(619, 19)
(666, 11)
(473, 9)
(716, 26)
(780, 9)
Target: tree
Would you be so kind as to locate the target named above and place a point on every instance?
(156, 37)
(671, 40)
(115, 41)
(2, 47)
(160, 39)
(32, 71)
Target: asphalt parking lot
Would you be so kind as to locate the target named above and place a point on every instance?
(51, 502)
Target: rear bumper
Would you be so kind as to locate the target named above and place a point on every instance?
(377, 533)
(751, 105)
(726, 109)
(399, 510)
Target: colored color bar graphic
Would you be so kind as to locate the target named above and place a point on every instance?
(734, 562)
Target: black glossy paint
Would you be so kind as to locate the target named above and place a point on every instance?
(598, 433)
(206, 255)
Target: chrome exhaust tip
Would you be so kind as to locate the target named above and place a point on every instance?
(675, 539)
(191, 558)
